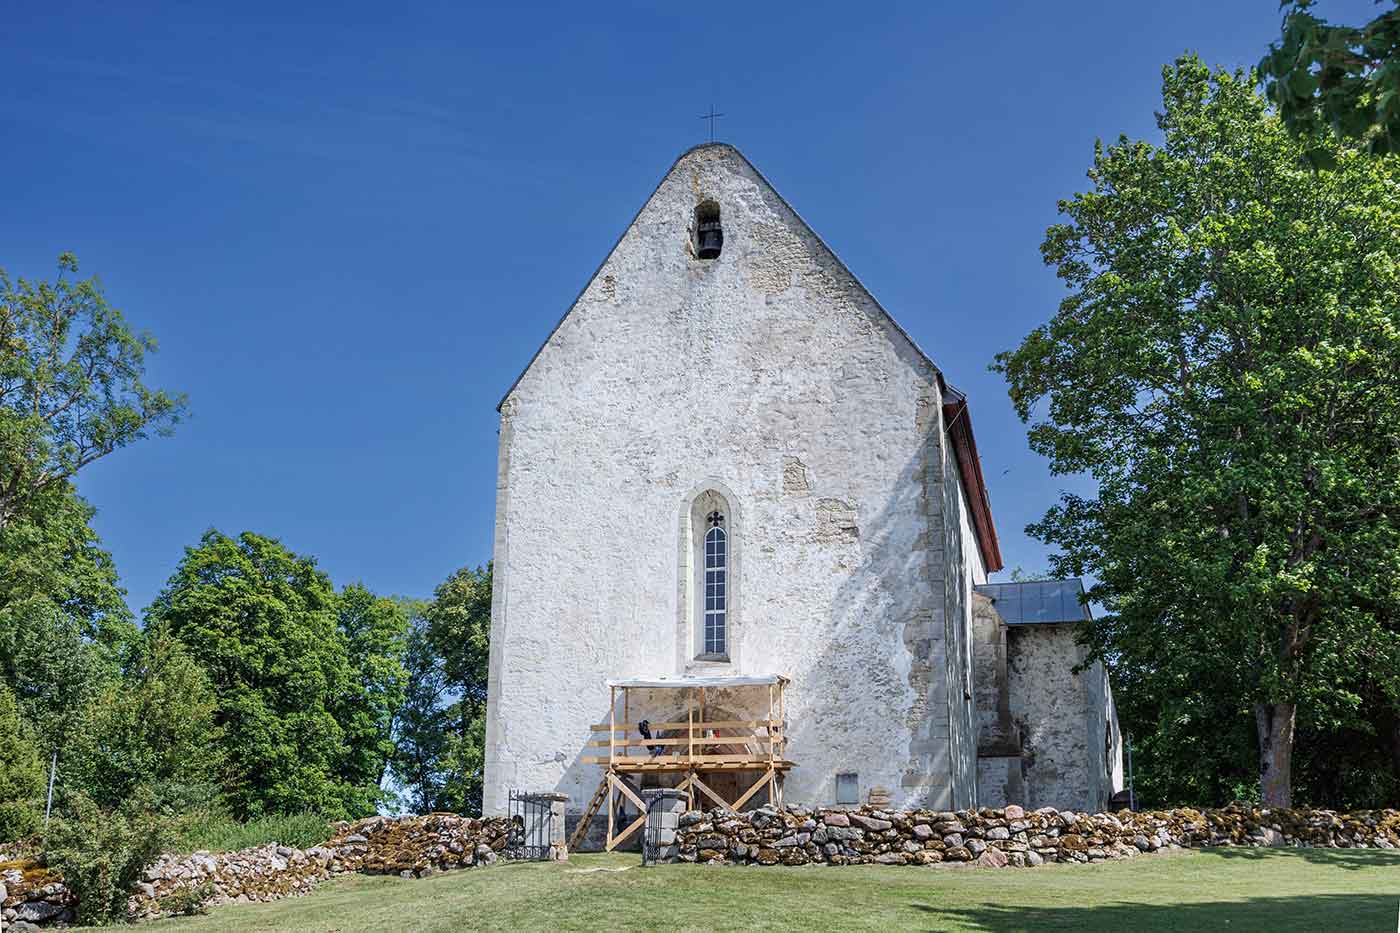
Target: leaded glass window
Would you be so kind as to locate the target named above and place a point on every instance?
(716, 583)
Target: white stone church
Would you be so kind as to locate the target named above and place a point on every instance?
(743, 542)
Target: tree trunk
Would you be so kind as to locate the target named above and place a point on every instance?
(1275, 723)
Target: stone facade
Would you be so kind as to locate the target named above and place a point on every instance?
(768, 380)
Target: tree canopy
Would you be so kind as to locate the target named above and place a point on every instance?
(261, 622)
(1226, 367)
(441, 729)
(21, 773)
(375, 629)
(71, 384)
(1346, 78)
(153, 730)
(64, 625)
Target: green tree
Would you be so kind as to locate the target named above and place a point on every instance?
(1227, 368)
(423, 723)
(21, 774)
(262, 623)
(1345, 78)
(375, 629)
(458, 629)
(440, 730)
(71, 384)
(154, 728)
(64, 624)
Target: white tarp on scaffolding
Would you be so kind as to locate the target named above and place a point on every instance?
(701, 680)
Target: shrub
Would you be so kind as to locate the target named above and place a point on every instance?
(21, 774)
(101, 853)
(186, 902)
(214, 831)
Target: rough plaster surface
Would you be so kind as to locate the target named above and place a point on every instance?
(1064, 720)
(770, 376)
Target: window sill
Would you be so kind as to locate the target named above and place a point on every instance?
(719, 658)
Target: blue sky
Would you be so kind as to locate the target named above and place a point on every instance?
(350, 225)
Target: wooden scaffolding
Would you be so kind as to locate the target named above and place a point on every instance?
(689, 749)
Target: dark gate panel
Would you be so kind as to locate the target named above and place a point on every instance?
(531, 826)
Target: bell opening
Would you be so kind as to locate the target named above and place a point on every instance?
(709, 235)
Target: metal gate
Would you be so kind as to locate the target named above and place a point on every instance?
(652, 841)
(531, 827)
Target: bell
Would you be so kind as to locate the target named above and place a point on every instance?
(709, 239)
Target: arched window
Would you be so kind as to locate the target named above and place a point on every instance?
(710, 616)
(716, 585)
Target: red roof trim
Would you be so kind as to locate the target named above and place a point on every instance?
(958, 424)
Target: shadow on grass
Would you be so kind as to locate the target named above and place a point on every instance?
(1349, 859)
(1309, 912)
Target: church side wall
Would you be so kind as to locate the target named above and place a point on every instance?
(962, 713)
(499, 773)
(1062, 717)
(769, 375)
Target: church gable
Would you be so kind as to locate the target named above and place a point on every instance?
(717, 277)
(715, 223)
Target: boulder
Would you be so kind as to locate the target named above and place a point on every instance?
(992, 858)
(870, 824)
(37, 912)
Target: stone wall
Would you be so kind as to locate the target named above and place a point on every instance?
(412, 847)
(1010, 836)
(1059, 716)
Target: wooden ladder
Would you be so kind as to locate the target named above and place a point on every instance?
(581, 830)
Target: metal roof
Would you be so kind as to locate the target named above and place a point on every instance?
(1041, 602)
(701, 680)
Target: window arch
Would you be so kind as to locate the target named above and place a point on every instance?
(709, 616)
(716, 632)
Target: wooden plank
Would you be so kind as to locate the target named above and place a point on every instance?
(681, 763)
(717, 724)
(759, 762)
(767, 777)
(617, 840)
(714, 740)
(581, 830)
(772, 748)
(627, 792)
(689, 791)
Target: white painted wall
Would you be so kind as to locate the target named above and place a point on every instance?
(749, 372)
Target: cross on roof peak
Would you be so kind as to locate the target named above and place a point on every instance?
(712, 117)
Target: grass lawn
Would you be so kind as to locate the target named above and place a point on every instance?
(1221, 889)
